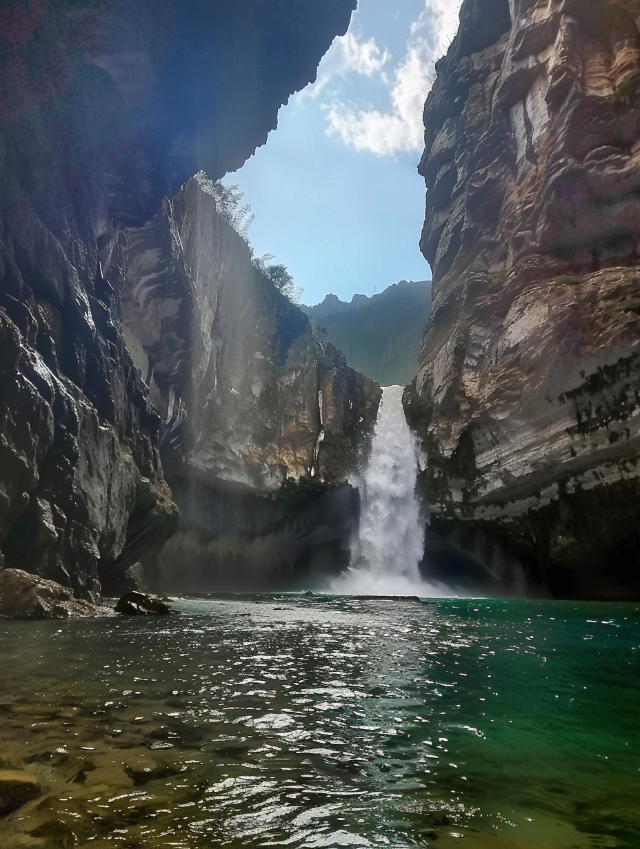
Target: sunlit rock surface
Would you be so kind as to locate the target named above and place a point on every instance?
(527, 392)
(249, 399)
(105, 108)
(25, 596)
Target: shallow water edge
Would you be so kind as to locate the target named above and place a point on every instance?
(312, 721)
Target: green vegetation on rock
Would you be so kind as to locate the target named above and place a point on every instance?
(567, 280)
(229, 205)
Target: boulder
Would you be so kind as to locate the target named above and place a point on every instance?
(26, 596)
(140, 604)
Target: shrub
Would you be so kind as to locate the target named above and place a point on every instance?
(567, 280)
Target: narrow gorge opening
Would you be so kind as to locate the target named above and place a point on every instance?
(306, 542)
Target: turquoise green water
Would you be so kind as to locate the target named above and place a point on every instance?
(327, 722)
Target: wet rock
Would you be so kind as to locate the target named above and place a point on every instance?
(440, 817)
(26, 596)
(146, 775)
(57, 833)
(234, 539)
(140, 604)
(16, 789)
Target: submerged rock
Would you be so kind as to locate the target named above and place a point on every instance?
(26, 596)
(141, 604)
(145, 775)
(58, 832)
(16, 789)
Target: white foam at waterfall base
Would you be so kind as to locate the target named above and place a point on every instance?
(385, 557)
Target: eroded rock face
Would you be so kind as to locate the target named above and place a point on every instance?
(104, 109)
(249, 399)
(237, 539)
(527, 392)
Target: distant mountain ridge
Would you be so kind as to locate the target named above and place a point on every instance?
(381, 335)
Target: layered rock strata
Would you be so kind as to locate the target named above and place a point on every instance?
(105, 108)
(527, 396)
(250, 401)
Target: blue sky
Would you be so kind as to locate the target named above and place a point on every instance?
(335, 191)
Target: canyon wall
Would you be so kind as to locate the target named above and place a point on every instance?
(527, 396)
(106, 108)
(261, 422)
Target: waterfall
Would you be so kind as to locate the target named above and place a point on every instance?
(390, 544)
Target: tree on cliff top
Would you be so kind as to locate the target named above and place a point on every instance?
(240, 217)
(229, 204)
(280, 277)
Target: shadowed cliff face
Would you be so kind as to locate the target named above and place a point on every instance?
(527, 392)
(243, 388)
(249, 402)
(105, 108)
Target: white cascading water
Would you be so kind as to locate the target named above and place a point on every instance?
(385, 558)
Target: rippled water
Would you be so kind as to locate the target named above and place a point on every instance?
(328, 722)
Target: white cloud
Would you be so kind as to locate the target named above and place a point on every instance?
(440, 18)
(388, 133)
(400, 129)
(349, 54)
(363, 57)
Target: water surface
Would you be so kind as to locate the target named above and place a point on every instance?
(328, 722)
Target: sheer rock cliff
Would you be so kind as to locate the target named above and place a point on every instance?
(250, 403)
(106, 108)
(527, 396)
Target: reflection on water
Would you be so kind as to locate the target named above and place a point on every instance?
(327, 722)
